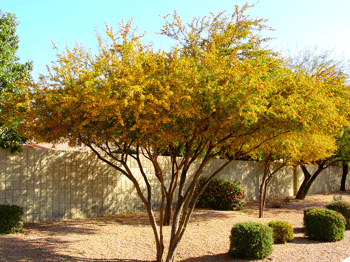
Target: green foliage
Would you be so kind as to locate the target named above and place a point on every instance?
(221, 194)
(11, 71)
(324, 224)
(251, 240)
(282, 231)
(10, 219)
(131, 151)
(343, 208)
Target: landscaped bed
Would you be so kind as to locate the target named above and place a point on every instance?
(128, 237)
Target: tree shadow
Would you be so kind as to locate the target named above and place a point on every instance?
(62, 227)
(213, 258)
(217, 258)
(305, 240)
(298, 230)
(141, 219)
(204, 214)
(43, 249)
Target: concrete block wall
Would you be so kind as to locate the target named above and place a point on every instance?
(53, 185)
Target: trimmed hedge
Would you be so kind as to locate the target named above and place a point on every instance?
(282, 231)
(251, 240)
(221, 194)
(324, 224)
(10, 219)
(343, 208)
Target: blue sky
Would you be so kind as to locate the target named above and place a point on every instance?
(324, 23)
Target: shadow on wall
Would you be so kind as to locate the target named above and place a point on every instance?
(327, 181)
(54, 185)
(281, 184)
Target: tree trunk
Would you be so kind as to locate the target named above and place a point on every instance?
(168, 209)
(262, 196)
(344, 176)
(263, 189)
(308, 180)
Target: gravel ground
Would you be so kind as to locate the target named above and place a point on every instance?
(128, 237)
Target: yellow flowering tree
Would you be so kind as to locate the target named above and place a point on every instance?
(291, 149)
(217, 92)
(333, 71)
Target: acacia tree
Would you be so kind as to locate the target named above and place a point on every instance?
(344, 155)
(11, 71)
(340, 155)
(345, 170)
(288, 150)
(216, 93)
(333, 71)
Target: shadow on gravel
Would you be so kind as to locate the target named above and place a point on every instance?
(63, 227)
(213, 258)
(298, 230)
(202, 215)
(304, 240)
(219, 257)
(141, 219)
(15, 249)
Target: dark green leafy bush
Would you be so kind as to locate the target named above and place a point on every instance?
(251, 240)
(131, 151)
(282, 231)
(343, 208)
(10, 219)
(222, 194)
(324, 224)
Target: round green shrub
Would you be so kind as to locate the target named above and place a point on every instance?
(221, 194)
(10, 219)
(343, 208)
(324, 224)
(251, 240)
(282, 231)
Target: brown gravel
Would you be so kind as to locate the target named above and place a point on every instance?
(128, 237)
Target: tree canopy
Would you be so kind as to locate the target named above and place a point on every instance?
(11, 71)
(323, 66)
(291, 150)
(217, 92)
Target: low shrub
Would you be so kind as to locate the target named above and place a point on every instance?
(324, 224)
(131, 151)
(221, 194)
(251, 240)
(282, 231)
(10, 219)
(337, 198)
(343, 208)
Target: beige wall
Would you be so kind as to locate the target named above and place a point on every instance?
(52, 185)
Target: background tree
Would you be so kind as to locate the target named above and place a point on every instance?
(340, 155)
(11, 71)
(287, 150)
(344, 155)
(333, 71)
(216, 93)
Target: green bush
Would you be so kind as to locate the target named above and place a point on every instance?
(251, 240)
(282, 231)
(131, 151)
(10, 219)
(324, 224)
(221, 194)
(343, 208)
